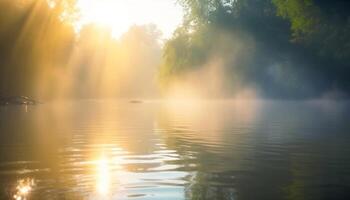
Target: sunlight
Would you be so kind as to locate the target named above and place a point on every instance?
(23, 189)
(103, 176)
(119, 15)
(184, 100)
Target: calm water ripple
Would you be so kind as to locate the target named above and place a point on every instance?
(158, 150)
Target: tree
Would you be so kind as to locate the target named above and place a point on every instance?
(294, 48)
(319, 25)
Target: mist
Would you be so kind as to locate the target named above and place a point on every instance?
(227, 48)
(136, 99)
(222, 49)
(104, 67)
(43, 56)
(223, 74)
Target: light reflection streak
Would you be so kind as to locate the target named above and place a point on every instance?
(23, 188)
(103, 176)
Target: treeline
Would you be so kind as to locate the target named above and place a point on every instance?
(281, 48)
(42, 54)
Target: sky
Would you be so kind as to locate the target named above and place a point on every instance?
(119, 15)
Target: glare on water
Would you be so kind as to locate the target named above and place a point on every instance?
(172, 150)
(23, 189)
(103, 176)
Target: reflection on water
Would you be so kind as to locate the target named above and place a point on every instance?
(103, 176)
(157, 150)
(23, 189)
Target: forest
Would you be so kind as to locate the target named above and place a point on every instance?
(277, 48)
(42, 55)
(281, 48)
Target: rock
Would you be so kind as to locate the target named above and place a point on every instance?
(18, 100)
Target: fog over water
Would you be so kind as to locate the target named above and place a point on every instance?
(163, 99)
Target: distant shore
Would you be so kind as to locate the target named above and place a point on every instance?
(18, 100)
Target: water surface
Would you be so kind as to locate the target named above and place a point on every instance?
(156, 150)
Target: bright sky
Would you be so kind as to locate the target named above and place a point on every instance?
(121, 14)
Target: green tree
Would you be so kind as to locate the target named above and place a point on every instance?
(323, 27)
(287, 48)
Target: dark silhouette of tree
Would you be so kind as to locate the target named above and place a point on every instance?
(289, 49)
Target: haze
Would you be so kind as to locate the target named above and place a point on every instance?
(119, 15)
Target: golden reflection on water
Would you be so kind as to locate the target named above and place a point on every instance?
(23, 189)
(159, 150)
(112, 149)
(103, 176)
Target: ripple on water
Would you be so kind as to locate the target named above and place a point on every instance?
(117, 151)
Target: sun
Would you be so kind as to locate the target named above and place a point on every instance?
(119, 15)
(110, 13)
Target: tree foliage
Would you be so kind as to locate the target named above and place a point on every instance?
(321, 26)
(43, 56)
(299, 48)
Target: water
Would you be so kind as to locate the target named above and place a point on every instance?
(156, 150)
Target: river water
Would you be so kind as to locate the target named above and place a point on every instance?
(176, 150)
